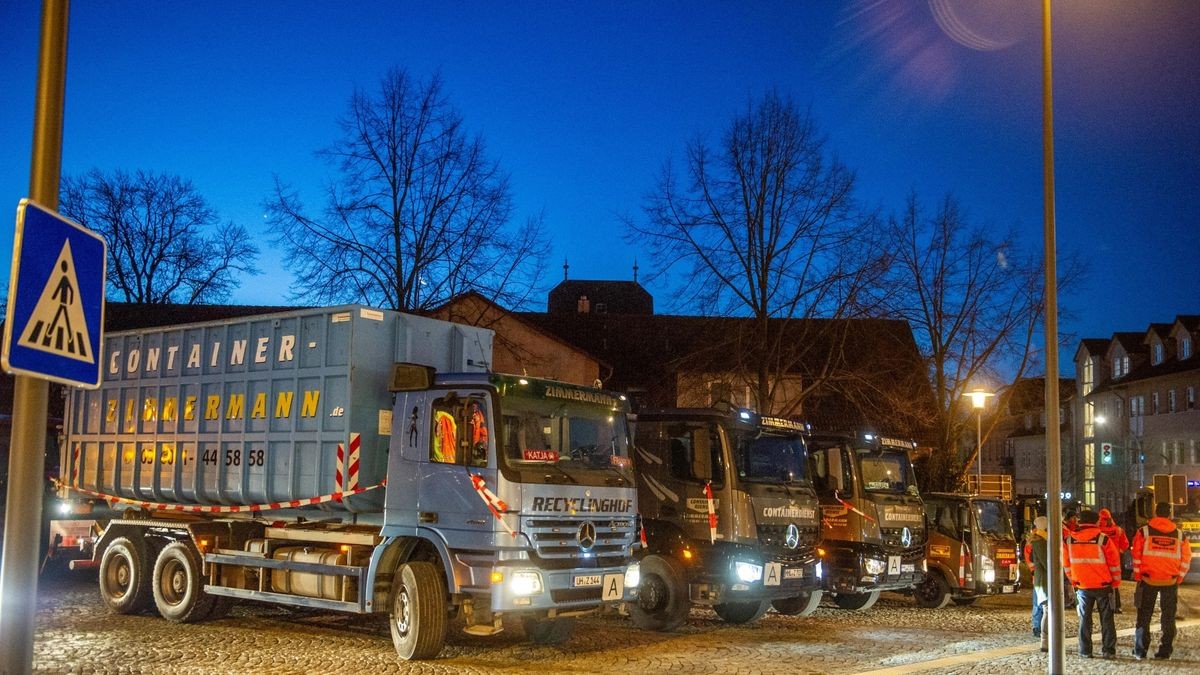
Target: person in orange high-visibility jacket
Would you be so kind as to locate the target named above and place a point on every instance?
(1093, 565)
(1114, 532)
(1161, 557)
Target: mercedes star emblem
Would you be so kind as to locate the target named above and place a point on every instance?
(906, 537)
(586, 536)
(792, 540)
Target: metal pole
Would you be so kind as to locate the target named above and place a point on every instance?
(979, 450)
(1053, 440)
(26, 457)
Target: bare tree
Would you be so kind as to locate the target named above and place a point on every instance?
(976, 303)
(417, 214)
(165, 243)
(765, 226)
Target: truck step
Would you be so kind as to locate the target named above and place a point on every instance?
(285, 599)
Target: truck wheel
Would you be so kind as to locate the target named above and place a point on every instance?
(800, 605)
(548, 631)
(179, 585)
(662, 603)
(125, 576)
(857, 601)
(418, 618)
(933, 593)
(742, 612)
(965, 602)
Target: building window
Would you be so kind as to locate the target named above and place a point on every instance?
(1158, 353)
(1170, 400)
(1154, 403)
(1089, 416)
(1116, 367)
(1087, 378)
(601, 308)
(1195, 451)
(1185, 347)
(1191, 397)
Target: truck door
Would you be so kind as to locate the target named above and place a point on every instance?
(455, 442)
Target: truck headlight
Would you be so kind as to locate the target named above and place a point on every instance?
(633, 575)
(819, 572)
(64, 508)
(748, 572)
(524, 582)
(988, 567)
(874, 566)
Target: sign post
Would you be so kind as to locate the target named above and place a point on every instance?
(18, 570)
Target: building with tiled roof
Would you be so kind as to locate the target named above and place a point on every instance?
(1136, 413)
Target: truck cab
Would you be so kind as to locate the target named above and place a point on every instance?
(729, 514)
(872, 517)
(971, 550)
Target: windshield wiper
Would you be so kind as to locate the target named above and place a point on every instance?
(561, 471)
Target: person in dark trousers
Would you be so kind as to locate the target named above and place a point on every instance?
(1091, 561)
(1039, 560)
(1161, 557)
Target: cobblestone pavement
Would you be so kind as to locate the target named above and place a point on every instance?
(76, 634)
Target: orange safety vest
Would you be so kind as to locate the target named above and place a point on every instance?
(445, 437)
(1091, 560)
(1161, 556)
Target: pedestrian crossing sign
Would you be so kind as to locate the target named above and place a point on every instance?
(55, 316)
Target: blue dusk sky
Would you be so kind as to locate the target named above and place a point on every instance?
(583, 101)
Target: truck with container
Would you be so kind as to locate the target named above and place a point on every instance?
(729, 516)
(351, 459)
(872, 517)
(970, 550)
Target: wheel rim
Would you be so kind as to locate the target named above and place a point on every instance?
(927, 591)
(653, 593)
(403, 612)
(120, 573)
(174, 582)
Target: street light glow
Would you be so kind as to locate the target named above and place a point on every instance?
(978, 397)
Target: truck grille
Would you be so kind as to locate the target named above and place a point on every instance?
(557, 541)
(894, 536)
(775, 536)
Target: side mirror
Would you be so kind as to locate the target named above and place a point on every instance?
(410, 377)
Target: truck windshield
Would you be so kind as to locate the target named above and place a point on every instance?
(992, 517)
(886, 471)
(573, 437)
(770, 458)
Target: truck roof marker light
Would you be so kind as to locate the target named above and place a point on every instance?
(687, 554)
(622, 397)
(820, 552)
(744, 415)
(869, 437)
(497, 577)
(522, 381)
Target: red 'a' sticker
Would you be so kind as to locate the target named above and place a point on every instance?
(539, 455)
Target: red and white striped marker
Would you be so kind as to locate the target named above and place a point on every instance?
(347, 477)
(852, 507)
(232, 508)
(712, 513)
(75, 464)
(494, 503)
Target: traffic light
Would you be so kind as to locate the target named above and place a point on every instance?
(1106, 453)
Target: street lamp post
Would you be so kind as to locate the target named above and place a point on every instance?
(979, 399)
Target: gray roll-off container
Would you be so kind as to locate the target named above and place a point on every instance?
(253, 411)
(350, 459)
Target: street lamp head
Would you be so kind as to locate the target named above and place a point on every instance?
(978, 398)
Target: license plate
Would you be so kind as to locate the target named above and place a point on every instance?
(587, 580)
(908, 568)
(1006, 588)
(794, 573)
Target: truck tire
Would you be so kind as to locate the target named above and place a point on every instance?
(800, 605)
(548, 631)
(418, 618)
(179, 584)
(662, 603)
(933, 592)
(857, 601)
(125, 571)
(742, 612)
